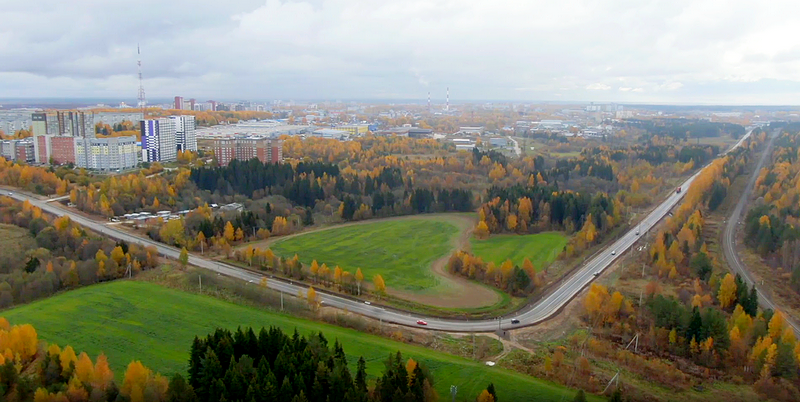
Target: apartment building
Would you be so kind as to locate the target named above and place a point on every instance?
(114, 153)
(185, 133)
(158, 140)
(267, 150)
(54, 135)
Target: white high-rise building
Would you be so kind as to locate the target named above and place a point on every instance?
(185, 137)
(158, 140)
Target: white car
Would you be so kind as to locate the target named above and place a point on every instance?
(367, 303)
(614, 252)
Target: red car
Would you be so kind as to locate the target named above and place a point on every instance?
(420, 322)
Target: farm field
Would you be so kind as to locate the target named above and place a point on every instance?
(401, 251)
(540, 248)
(130, 320)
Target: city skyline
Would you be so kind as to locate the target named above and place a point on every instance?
(515, 51)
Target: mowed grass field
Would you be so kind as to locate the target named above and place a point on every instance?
(129, 320)
(540, 248)
(399, 250)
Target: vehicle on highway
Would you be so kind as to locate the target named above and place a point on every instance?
(679, 190)
(637, 233)
(514, 321)
(10, 193)
(614, 252)
(421, 322)
(367, 303)
(596, 274)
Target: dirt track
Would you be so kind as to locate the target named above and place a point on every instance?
(453, 291)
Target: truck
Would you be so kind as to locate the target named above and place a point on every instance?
(679, 190)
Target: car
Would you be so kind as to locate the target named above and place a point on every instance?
(10, 193)
(367, 303)
(596, 274)
(514, 321)
(421, 322)
(614, 252)
(637, 233)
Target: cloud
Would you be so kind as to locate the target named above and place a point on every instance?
(321, 49)
(598, 87)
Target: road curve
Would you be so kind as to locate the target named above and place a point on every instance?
(533, 314)
(729, 236)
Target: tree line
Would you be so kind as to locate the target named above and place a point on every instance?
(516, 280)
(683, 129)
(273, 366)
(772, 225)
(60, 254)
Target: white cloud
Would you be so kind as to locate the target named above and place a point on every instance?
(650, 51)
(598, 87)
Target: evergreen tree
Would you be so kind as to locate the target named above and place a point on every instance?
(491, 391)
(361, 376)
(179, 390)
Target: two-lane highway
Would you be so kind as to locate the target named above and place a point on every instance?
(729, 236)
(530, 315)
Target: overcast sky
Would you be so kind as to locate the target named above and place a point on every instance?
(674, 51)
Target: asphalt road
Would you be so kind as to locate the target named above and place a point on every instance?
(729, 237)
(533, 314)
(517, 149)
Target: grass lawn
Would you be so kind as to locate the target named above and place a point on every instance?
(137, 320)
(399, 250)
(15, 239)
(540, 248)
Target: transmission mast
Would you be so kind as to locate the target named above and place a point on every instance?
(142, 99)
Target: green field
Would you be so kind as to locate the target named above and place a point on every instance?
(399, 250)
(137, 320)
(540, 248)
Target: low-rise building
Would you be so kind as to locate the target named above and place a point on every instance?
(330, 133)
(354, 129)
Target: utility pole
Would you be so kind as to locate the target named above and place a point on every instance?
(200, 281)
(473, 346)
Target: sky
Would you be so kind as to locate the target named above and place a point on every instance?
(635, 51)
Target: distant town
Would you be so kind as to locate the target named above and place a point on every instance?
(79, 136)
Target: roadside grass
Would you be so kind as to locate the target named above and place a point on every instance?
(15, 240)
(540, 248)
(131, 320)
(399, 250)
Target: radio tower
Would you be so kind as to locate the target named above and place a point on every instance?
(429, 101)
(447, 105)
(142, 99)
